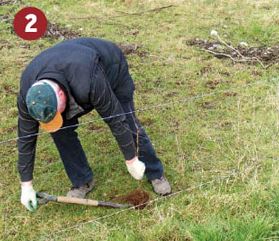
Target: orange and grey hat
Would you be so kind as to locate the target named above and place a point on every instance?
(41, 101)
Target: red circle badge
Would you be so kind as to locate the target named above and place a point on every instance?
(30, 23)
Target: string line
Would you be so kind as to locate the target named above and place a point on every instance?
(233, 173)
(169, 103)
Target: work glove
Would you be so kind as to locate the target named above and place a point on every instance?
(28, 197)
(136, 168)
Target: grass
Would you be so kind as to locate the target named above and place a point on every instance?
(221, 149)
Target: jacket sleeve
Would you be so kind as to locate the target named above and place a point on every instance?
(26, 143)
(109, 108)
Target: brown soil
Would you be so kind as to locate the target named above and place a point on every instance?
(8, 2)
(267, 55)
(132, 49)
(53, 31)
(8, 89)
(57, 31)
(8, 129)
(94, 127)
(6, 18)
(212, 84)
(208, 105)
(230, 93)
(138, 198)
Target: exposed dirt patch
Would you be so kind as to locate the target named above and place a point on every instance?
(225, 124)
(56, 31)
(8, 129)
(132, 49)
(265, 54)
(138, 198)
(94, 127)
(49, 160)
(225, 73)
(8, 89)
(171, 94)
(212, 84)
(147, 121)
(4, 44)
(230, 93)
(5, 18)
(256, 73)
(8, 2)
(208, 105)
(133, 32)
(201, 43)
(204, 70)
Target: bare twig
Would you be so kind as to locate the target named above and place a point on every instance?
(261, 63)
(240, 54)
(126, 14)
(248, 59)
(87, 17)
(147, 11)
(229, 46)
(221, 54)
(243, 59)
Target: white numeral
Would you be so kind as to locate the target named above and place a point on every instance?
(28, 28)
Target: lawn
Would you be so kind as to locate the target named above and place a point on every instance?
(213, 122)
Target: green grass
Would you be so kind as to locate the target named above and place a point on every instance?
(222, 150)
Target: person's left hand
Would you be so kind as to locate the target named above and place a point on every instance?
(28, 196)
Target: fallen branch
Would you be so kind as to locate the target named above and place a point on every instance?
(241, 55)
(244, 59)
(229, 46)
(261, 63)
(216, 54)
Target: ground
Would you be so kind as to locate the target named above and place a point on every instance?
(213, 122)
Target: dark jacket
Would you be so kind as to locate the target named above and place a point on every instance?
(94, 75)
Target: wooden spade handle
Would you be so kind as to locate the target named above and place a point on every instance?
(75, 200)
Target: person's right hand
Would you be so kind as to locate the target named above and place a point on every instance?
(136, 168)
(28, 196)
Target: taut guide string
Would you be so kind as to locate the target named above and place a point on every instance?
(164, 105)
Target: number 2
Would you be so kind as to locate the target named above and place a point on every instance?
(28, 28)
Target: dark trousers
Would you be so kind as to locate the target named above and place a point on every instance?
(74, 158)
